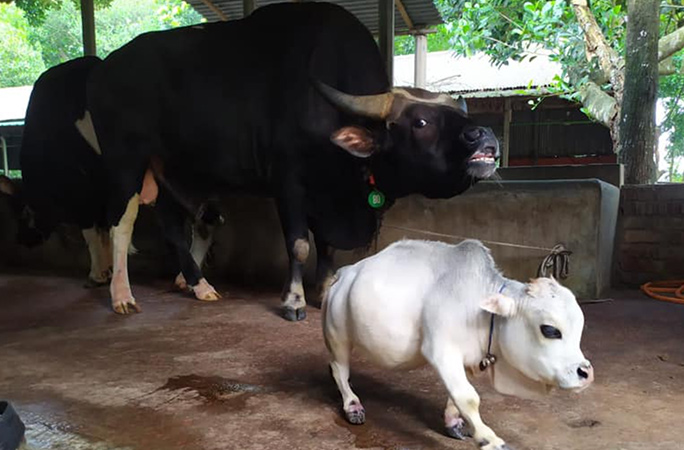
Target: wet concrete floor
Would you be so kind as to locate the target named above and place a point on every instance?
(233, 375)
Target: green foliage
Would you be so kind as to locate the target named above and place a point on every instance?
(20, 61)
(27, 50)
(436, 42)
(36, 11)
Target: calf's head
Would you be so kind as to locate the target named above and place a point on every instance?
(539, 339)
(27, 232)
(421, 142)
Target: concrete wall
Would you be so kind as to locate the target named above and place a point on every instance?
(608, 173)
(518, 220)
(650, 242)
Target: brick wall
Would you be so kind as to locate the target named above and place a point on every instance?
(650, 236)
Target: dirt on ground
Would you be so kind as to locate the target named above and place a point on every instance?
(233, 374)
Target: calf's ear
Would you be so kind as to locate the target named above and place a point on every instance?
(542, 287)
(356, 140)
(499, 304)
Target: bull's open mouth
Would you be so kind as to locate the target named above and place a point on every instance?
(483, 157)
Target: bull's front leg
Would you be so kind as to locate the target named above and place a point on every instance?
(292, 212)
(450, 369)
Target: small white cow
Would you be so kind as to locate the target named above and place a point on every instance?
(422, 301)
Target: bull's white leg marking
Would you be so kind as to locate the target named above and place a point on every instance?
(199, 250)
(300, 250)
(462, 393)
(205, 291)
(99, 273)
(180, 282)
(120, 288)
(295, 295)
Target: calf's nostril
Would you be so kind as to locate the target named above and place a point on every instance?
(582, 373)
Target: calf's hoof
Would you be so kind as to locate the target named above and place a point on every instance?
(294, 315)
(484, 445)
(458, 430)
(356, 414)
(126, 307)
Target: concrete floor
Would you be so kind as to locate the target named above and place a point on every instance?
(234, 375)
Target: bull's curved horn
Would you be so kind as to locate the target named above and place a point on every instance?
(372, 106)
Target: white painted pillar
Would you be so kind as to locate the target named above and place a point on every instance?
(420, 62)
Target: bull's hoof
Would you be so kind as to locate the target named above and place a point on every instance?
(126, 307)
(356, 414)
(205, 291)
(180, 283)
(294, 315)
(458, 430)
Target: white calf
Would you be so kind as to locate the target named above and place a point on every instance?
(420, 301)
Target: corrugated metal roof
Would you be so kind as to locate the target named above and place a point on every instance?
(421, 12)
(476, 76)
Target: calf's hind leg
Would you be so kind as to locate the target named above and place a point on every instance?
(340, 351)
(454, 423)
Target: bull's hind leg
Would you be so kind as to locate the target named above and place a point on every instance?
(324, 267)
(172, 217)
(120, 288)
(99, 266)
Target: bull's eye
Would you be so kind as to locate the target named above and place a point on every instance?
(551, 332)
(420, 123)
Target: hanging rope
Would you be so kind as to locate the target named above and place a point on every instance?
(556, 263)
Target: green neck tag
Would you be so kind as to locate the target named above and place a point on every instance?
(376, 199)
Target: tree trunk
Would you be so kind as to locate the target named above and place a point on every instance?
(637, 127)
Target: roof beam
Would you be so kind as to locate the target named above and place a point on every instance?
(221, 15)
(404, 14)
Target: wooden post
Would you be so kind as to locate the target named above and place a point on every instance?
(508, 116)
(386, 35)
(88, 26)
(248, 7)
(420, 62)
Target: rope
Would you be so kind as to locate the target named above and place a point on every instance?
(657, 289)
(556, 263)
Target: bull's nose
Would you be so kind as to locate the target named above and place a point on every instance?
(472, 134)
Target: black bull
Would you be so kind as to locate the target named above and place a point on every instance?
(267, 105)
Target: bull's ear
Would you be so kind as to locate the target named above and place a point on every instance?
(356, 140)
(499, 304)
(7, 187)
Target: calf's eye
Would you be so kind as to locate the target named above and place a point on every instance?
(551, 332)
(420, 123)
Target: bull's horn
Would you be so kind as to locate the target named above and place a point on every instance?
(372, 106)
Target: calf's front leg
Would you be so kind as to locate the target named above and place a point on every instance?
(450, 369)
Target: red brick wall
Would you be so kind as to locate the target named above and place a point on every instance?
(650, 237)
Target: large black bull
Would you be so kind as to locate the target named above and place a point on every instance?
(267, 105)
(64, 182)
